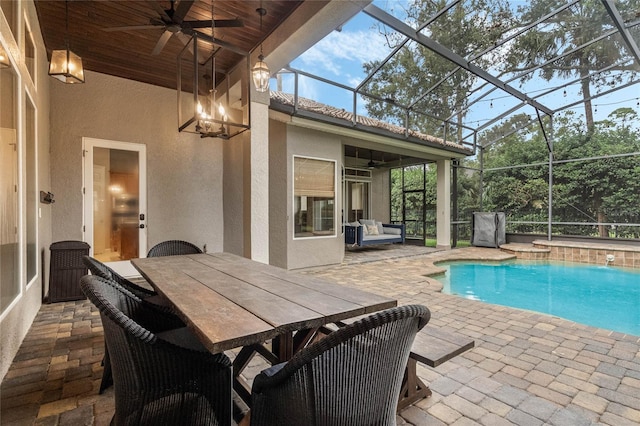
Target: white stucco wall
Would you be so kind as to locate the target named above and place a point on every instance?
(278, 195)
(380, 207)
(308, 252)
(184, 172)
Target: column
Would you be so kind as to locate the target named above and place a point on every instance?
(443, 204)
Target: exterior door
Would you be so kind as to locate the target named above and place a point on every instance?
(115, 202)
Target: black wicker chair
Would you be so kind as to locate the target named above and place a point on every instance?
(162, 375)
(352, 377)
(173, 248)
(100, 269)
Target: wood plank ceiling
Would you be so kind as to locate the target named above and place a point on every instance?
(128, 53)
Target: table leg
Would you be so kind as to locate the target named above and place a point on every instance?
(413, 389)
(282, 346)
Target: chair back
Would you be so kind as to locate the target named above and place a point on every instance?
(351, 377)
(173, 248)
(101, 270)
(156, 382)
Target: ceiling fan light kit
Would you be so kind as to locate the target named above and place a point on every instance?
(65, 65)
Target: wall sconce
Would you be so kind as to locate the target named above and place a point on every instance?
(212, 102)
(65, 65)
(46, 198)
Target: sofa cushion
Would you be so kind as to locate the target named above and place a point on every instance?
(380, 228)
(393, 231)
(372, 230)
(381, 238)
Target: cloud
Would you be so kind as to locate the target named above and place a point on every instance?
(342, 53)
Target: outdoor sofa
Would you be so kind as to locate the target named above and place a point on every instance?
(369, 232)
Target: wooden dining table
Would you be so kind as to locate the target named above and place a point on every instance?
(232, 302)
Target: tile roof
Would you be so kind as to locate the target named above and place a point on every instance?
(329, 111)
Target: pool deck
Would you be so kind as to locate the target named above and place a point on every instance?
(526, 368)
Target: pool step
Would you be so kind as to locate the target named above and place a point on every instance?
(526, 251)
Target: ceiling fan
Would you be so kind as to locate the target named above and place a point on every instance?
(173, 22)
(372, 164)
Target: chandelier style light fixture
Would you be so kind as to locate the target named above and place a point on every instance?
(218, 107)
(65, 65)
(260, 71)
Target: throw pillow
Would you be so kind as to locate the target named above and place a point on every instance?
(364, 230)
(380, 228)
(372, 230)
(367, 222)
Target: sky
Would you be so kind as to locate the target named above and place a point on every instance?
(340, 57)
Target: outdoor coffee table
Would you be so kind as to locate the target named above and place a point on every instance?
(233, 302)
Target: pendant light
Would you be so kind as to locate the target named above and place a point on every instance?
(65, 65)
(260, 71)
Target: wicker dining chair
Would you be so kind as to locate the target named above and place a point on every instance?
(352, 377)
(100, 269)
(162, 375)
(173, 248)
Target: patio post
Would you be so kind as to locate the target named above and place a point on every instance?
(443, 204)
(259, 169)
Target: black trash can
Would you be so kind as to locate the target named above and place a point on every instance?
(66, 270)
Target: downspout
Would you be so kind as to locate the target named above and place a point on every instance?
(550, 144)
(481, 174)
(454, 201)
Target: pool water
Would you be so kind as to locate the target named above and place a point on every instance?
(600, 296)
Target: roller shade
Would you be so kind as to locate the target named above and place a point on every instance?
(313, 178)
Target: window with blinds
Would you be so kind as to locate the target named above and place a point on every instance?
(314, 192)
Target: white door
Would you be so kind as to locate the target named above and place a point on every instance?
(115, 202)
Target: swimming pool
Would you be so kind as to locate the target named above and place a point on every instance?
(600, 296)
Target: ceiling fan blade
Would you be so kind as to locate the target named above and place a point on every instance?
(219, 23)
(131, 27)
(164, 38)
(183, 8)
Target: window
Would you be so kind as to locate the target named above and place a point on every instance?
(314, 183)
(29, 53)
(357, 194)
(31, 194)
(9, 250)
(9, 9)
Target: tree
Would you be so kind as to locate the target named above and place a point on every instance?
(604, 189)
(414, 69)
(563, 33)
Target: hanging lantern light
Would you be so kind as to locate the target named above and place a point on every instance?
(65, 65)
(260, 71)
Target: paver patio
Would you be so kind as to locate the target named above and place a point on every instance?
(526, 368)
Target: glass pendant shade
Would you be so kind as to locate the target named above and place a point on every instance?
(4, 59)
(260, 73)
(66, 66)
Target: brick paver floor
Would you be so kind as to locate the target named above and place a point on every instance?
(526, 368)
